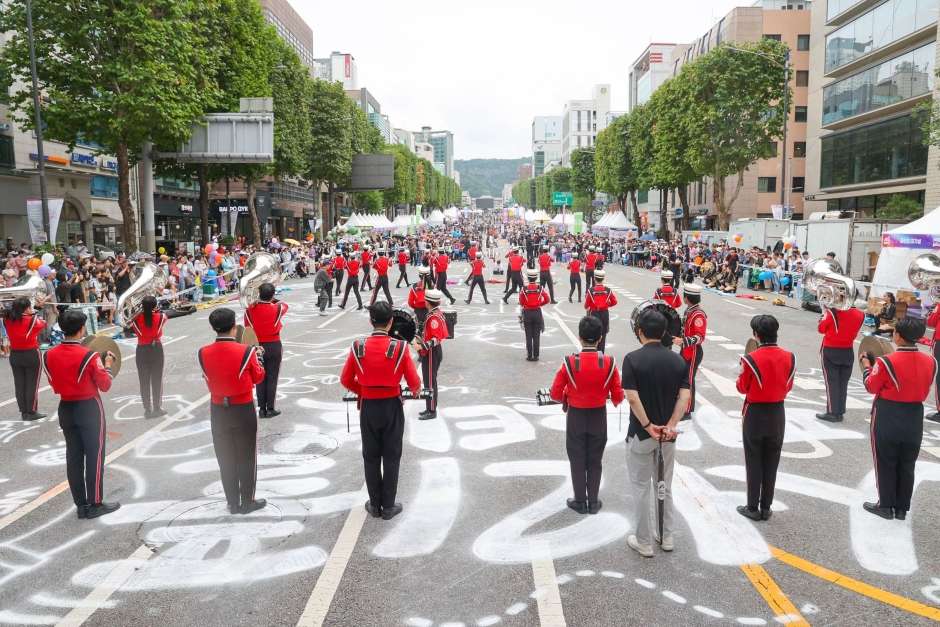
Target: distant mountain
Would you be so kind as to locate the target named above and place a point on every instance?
(487, 176)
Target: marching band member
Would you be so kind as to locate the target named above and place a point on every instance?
(666, 292)
(416, 295)
(532, 298)
(440, 268)
(545, 273)
(514, 276)
(339, 266)
(583, 384)
(23, 327)
(900, 382)
(574, 266)
(934, 321)
(430, 350)
(590, 259)
(231, 371)
(694, 325)
(766, 378)
(382, 264)
(839, 329)
(266, 317)
(402, 267)
(366, 257)
(471, 256)
(374, 370)
(476, 274)
(78, 375)
(148, 327)
(598, 300)
(352, 282)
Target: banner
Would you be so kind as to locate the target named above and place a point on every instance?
(34, 217)
(910, 240)
(232, 221)
(578, 222)
(505, 216)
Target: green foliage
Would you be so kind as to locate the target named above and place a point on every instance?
(369, 202)
(613, 161)
(482, 176)
(227, 241)
(901, 207)
(405, 177)
(42, 249)
(331, 148)
(583, 177)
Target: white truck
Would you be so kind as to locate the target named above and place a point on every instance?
(851, 239)
(761, 232)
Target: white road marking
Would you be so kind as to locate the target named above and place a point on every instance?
(725, 386)
(551, 612)
(331, 319)
(322, 596)
(717, 338)
(568, 332)
(740, 304)
(99, 596)
(732, 347)
(807, 384)
(13, 400)
(175, 339)
(851, 403)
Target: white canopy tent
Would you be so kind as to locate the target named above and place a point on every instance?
(603, 221)
(529, 215)
(902, 246)
(436, 218)
(541, 216)
(450, 212)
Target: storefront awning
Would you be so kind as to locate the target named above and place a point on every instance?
(105, 221)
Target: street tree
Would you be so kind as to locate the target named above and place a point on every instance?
(671, 166)
(643, 154)
(613, 163)
(330, 149)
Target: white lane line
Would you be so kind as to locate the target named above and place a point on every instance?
(851, 403)
(322, 596)
(725, 386)
(551, 612)
(732, 347)
(339, 315)
(13, 400)
(15, 515)
(175, 339)
(99, 596)
(717, 338)
(933, 450)
(807, 384)
(740, 304)
(568, 332)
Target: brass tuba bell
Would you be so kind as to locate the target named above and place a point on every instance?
(149, 279)
(260, 268)
(823, 279)
(31, 286)
(924, 274)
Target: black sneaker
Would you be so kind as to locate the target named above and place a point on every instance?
(595, 506)
(148, 414)
(375, 512)
(427, 415)
(765, 514)
(82, 511)
(885, 512)
(271, 413)
(934, 417)
(579, 506)
(829, 417)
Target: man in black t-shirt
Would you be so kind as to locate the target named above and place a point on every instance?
(657, 386)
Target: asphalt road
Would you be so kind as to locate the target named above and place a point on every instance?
(485, 537)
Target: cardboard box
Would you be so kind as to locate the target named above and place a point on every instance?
(908, 297)
(874, 305)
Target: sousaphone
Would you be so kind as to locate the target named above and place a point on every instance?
(103, 344)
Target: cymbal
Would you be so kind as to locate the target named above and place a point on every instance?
(751, 346)
(248, 337)
(875, 345)
(102, 344)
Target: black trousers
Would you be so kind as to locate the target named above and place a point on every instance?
(403, 276)
(478, 280)
(692, 365)
(430, 364)
(83, 426)
(897, 430)
(676, 274)
(150, 374)
(588, 279)
(235, 439)
(442, 284)
(534, 324)
(936, 383)
(267, 389)
(366, 277)
(585, 439)
(352, 283)
(604, 316)
(382, 426)
(838, 364)
(515, 279)
(26, 365)
(381, 283)
(763, 427)
(545, 278)
(575, 281)
(508, 278)
(338, 277)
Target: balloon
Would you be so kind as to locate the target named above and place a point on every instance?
(740, 233)
(34, 263)
(48, 258)
(215, 246)
(210, 273)
(353, 230)
(330, 238)
(208, 248)
(786, 246)
(44, 271)
(793, 239)
(737, 239)
(696, 235)
(763, 276)
(785, 281)
(161, 250)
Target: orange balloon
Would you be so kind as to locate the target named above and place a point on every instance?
(34, 263)
(695, 235)
(737, 238)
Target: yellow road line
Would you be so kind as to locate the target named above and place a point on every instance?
(857, 586)
(776, 599)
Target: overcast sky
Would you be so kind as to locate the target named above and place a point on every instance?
(483, 68)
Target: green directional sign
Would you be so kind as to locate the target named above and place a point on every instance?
(562, 198)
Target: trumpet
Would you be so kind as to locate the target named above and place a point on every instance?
(924, 274)
(824, 280)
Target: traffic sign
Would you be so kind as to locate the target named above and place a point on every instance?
(560, 199)
(597, 203)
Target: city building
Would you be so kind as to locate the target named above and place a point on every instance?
(443, 142)
(424, 150)
(290, 27)
(525, 172)
(542, 153)
(871, 65)
(582, 120)
(546, 128)
(507, 194)
(456, 177)
(338, 67)
(765, 180)
(648, 72)
(373, 110)
(465, 199)
(406, 138)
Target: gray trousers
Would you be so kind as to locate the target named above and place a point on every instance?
(642, 463)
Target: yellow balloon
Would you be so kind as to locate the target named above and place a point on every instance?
(161, 250)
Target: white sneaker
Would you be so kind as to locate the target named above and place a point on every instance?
(666, 544)
(644, 550)
(323, 313)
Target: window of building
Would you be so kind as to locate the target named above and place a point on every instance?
(642, 196)
(773, 37)
(802, 78)
(766, 184)
(7, 157)
(701, 49)
(773, 146)
(799, 114)
(887, 150)
(799, 150)
(104, 186)
(799, 183)
(802, 42)
(721, 32)
(905, 76)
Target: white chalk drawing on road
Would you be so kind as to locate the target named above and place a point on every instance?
(50, 457)
(131, 408)
(431, 512)
(879, 545)
(19, 555)
(932, 592)
(427, 435)
(504, 542)
(152, 440)
(514, 427)
(13, 500)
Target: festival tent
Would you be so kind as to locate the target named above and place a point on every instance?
(436, 218)
(529, 215)
(382, 224)
(357, 221)
(619, 222)
(540, 216)
(451, 213)
(900, 247)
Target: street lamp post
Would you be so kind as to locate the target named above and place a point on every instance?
(43, 194)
